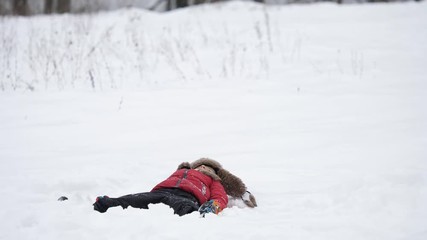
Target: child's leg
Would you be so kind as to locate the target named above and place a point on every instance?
(139, 200)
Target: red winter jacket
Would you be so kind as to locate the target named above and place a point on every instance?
(203, 187)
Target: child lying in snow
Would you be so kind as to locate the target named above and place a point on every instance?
(202, 185)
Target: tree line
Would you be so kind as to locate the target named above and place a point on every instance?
(31, 7)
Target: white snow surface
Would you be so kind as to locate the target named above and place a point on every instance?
(320, 109)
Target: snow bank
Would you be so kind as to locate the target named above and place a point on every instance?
(319, 109)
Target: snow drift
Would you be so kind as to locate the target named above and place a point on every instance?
(319, 109)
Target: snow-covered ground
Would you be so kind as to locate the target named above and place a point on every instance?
(318, 108)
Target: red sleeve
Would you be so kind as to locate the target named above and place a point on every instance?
(218, 193)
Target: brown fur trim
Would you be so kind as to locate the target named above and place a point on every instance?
(251, 202)
(252, 198)
(184, 165)
(208, 162)
(212, 175)
(233, 185)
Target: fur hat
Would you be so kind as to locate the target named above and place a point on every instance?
(233, 185)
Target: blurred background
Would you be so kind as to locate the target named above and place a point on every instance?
(32, 7)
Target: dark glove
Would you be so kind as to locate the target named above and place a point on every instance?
(211, 206)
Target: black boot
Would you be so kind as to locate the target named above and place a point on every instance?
(101, 204)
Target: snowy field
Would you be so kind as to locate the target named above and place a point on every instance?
(320, 109)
